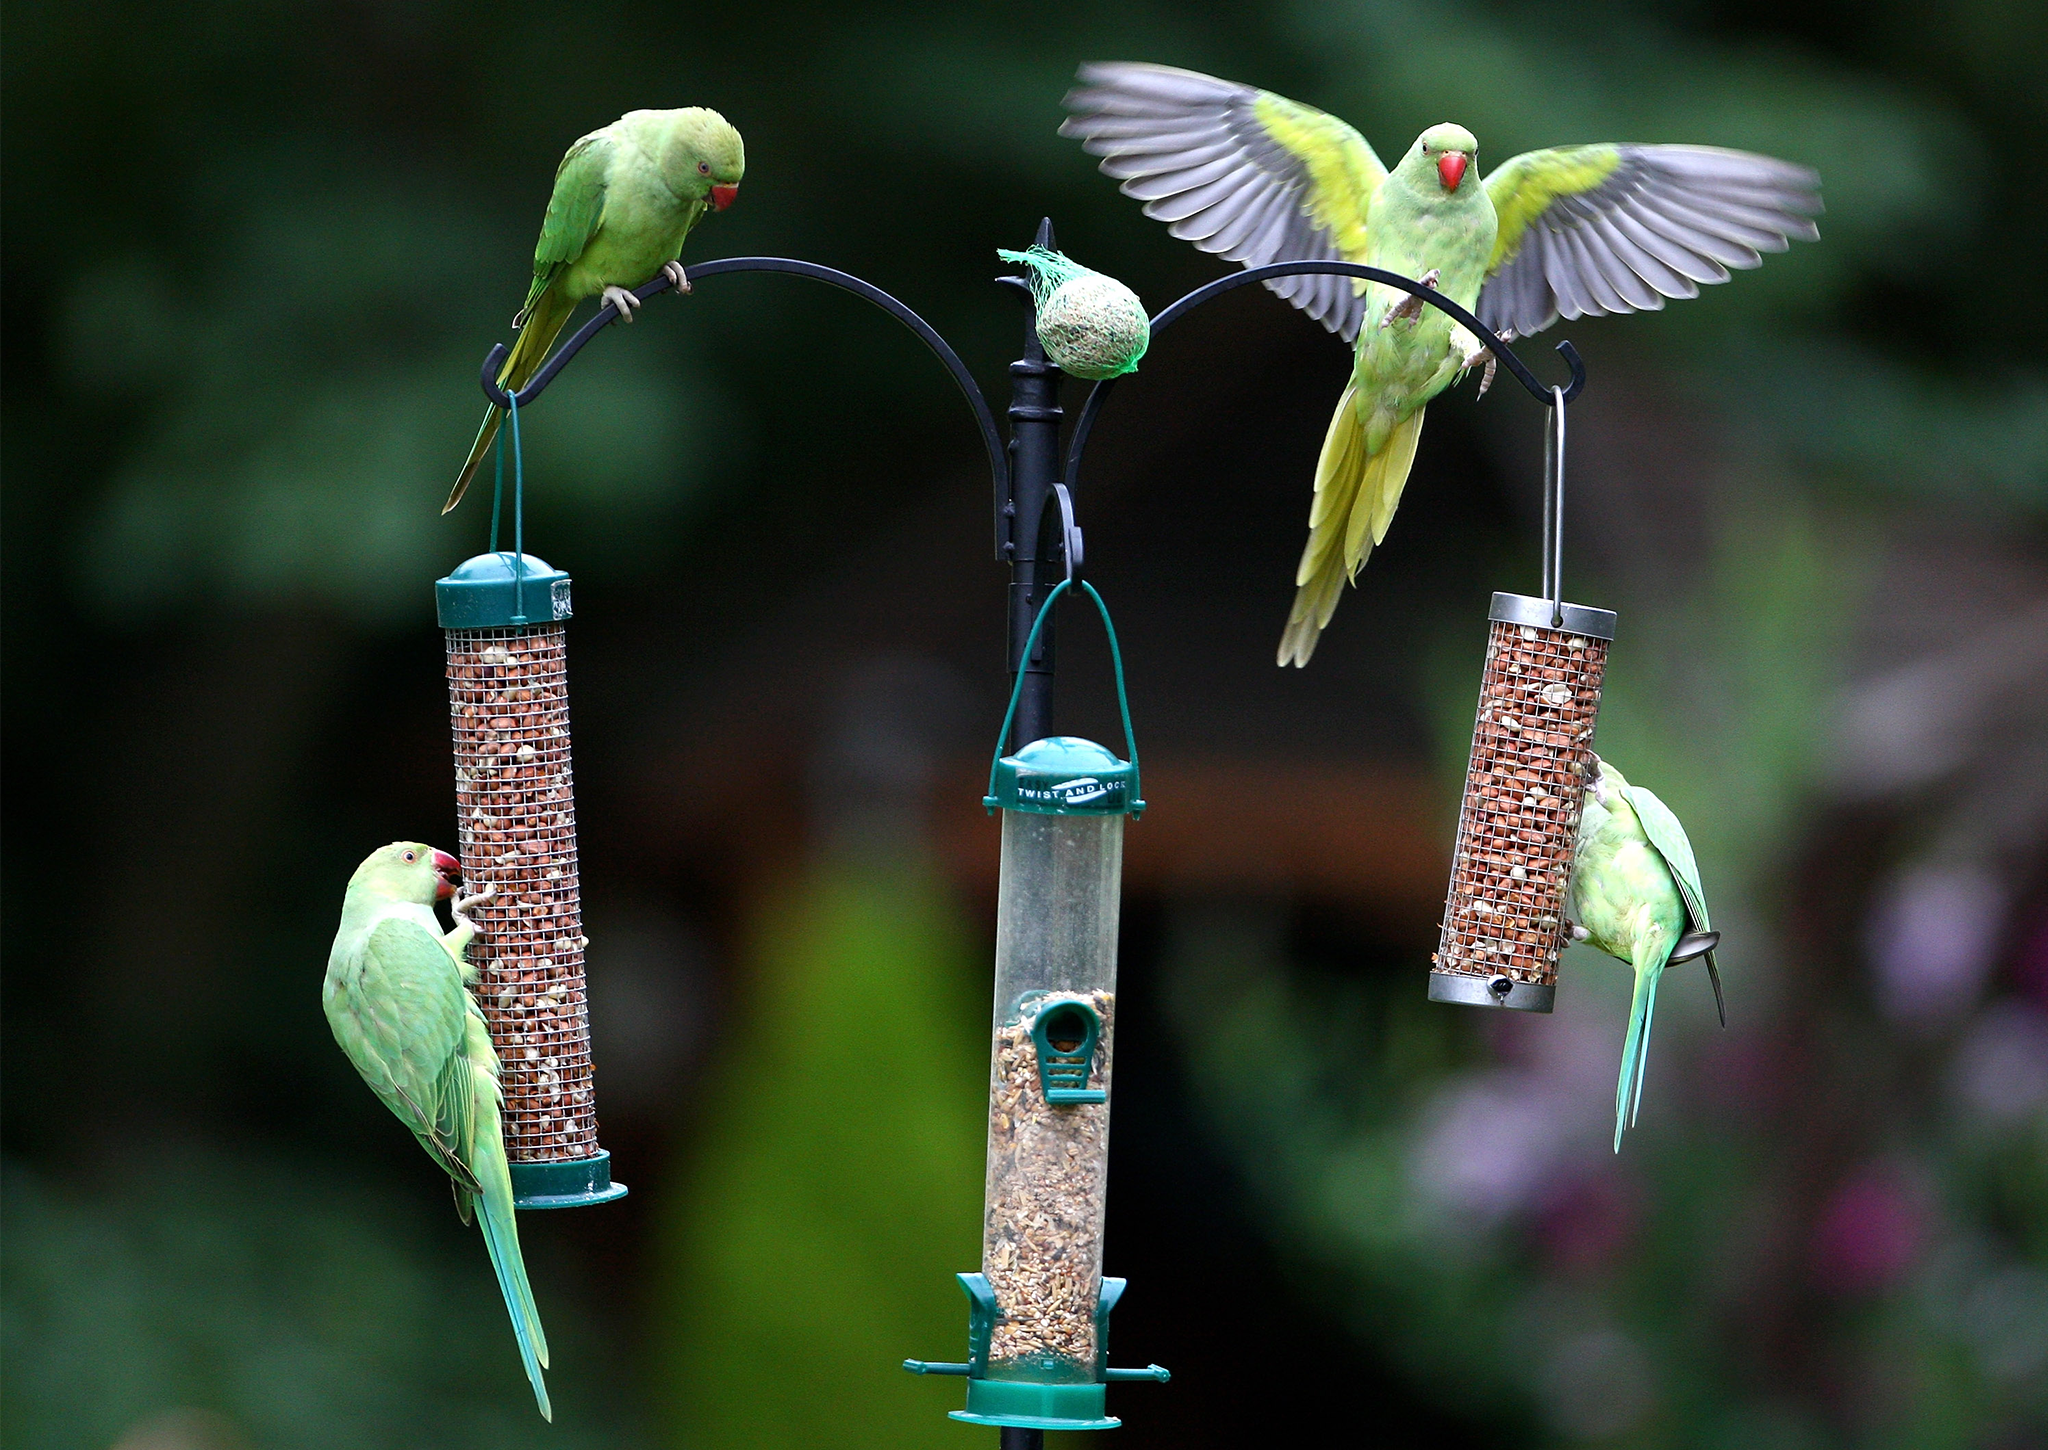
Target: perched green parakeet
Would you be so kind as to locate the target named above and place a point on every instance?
(1571, 231)
(625, 198)
(397, 999)
(1635, 894)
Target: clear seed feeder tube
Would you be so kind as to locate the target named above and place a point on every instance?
(504, 617)
(1039, 1308)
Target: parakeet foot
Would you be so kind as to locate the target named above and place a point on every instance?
(1410, 307)
(622, 299)
(463, 905)
(677, 278)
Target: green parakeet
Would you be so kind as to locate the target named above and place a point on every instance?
(625, 199)
(1571, 231)
(1635, 894)
(397, 999)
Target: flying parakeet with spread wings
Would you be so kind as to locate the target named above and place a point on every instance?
(625, 198)
(1635, 894)
(397, 1001)
(1571, 231)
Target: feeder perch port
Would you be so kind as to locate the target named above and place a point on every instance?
(1532, 747)
(508, 703)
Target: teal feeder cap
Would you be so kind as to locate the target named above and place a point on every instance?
(1064, 775)
(488, 592)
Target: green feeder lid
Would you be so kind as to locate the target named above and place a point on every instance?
(487, 593)
(1064, 775)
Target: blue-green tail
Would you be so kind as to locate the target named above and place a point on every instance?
(1635, 1052)
(501, 1233)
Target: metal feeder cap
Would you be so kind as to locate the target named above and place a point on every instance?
(486, 593)
(1064, 775)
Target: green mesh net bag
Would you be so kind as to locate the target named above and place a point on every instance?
(1090, 324)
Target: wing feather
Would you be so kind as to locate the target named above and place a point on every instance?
(1588, 230)
(1240, 172)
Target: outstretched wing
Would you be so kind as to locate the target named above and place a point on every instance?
(1240, 172)
(1589, 230)
(575, 211)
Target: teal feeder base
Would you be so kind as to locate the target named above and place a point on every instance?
(1022, 1404)
(1027, 1406)
(571, 1184)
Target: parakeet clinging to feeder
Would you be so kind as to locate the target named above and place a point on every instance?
(1570, 231)
(397, 1001)
(1635, 894)
(625, 198)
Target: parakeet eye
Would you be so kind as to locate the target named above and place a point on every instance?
(412, 855)
(703, 168)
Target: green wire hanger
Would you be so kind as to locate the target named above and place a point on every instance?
(1123, 701)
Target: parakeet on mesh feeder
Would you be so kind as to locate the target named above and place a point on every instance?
(1532, 752)
(503, 614)
(1039, 1309)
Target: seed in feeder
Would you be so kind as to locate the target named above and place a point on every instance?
(496, 655)
(1510, 724)
(1516, 873)
(1547, 921)
(582, 941)
(1557, 694)
(533, 1054)
(1577, 645)
(526, 753)
(1529, 632)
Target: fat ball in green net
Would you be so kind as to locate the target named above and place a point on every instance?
(1089, 323)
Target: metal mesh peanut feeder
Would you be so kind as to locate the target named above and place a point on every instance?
(1039, 1309)
(1532, 746)
(508, 706)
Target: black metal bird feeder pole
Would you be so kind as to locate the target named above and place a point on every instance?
(1038, 537)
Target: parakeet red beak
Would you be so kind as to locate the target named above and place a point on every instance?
(1450, 169)
(447, 871)
(723, 196)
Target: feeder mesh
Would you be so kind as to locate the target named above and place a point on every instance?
(1532, 747)
(508, 702)
(1091, 325)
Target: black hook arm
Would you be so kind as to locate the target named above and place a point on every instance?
(1542, 393)
(991, 437)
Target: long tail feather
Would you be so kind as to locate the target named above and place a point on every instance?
(1635, 1052)
(1356, 494)
(501, 1231)
(536, 339)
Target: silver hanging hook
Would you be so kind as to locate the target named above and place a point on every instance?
(1553, 508)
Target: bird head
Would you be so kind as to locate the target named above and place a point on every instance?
(704, 157)
(1447, 150)
(408, 871)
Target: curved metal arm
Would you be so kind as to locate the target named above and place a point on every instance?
(991, 437)
(1542, 393)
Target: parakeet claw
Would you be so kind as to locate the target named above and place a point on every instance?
(1485, 353)
(1410, 307)
(677, 278)
(463, 905)
(623, 300)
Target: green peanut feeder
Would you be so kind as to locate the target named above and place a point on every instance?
(1090, 324)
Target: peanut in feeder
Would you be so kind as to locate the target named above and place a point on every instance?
(1525, 781)
(504, 617)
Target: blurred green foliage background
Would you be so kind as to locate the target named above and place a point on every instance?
(253, 253)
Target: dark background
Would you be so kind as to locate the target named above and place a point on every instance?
(253, 254)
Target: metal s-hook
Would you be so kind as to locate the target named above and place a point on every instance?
(1072, 549)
